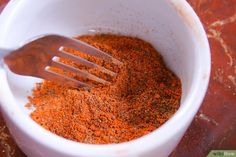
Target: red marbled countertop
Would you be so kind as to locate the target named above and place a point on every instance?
(214, 127)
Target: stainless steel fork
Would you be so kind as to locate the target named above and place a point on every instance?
(37, 56)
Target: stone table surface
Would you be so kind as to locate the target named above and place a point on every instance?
(214, 127)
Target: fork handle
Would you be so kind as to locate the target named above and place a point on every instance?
(4, 52)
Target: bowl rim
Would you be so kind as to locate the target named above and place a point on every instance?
(64, 146)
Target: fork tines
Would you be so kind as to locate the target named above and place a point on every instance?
(87, 49)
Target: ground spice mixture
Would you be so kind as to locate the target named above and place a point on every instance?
(143, 96)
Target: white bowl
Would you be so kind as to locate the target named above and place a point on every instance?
(170, 25)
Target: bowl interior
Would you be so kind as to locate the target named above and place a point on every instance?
(157, 24)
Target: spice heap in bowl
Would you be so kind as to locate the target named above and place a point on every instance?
(143, 96)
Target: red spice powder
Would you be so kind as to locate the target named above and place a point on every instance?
(143, 96)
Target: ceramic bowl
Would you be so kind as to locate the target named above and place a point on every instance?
(170, 25)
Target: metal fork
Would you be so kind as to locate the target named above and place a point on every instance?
(37, 56)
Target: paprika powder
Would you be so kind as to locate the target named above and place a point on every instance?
(143, 96)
